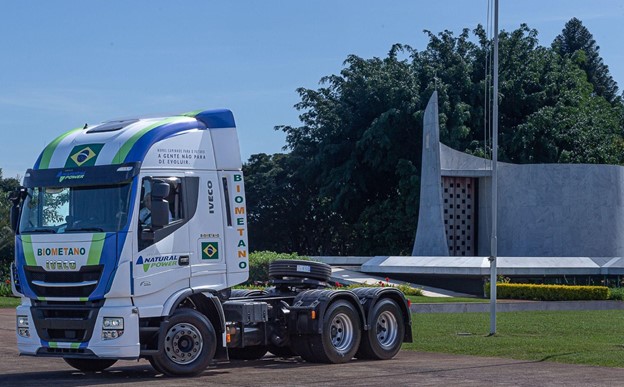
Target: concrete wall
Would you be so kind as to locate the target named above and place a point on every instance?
(544, 210)
(561, 210)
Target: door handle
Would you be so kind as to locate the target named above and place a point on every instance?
(184, 260)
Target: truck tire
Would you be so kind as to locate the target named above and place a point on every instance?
(301, 346)
(384, 338)
(341, 335)
(299, 269)
(253, 352)
(89, 365)
(188, 343)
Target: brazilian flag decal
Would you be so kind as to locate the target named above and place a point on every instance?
(83, 155)
(210, 250)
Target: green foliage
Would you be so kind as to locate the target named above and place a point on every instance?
(5, 288)
(350, 183)
(576, 42)
(410, 291)
(7, 238)
(549, 292)
(404, 288)
(356, 144)
(259, 264)
(616, 294)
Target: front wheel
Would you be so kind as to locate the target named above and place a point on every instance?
(187, 342)
(384, 338)
(89, 365)
(340, 337)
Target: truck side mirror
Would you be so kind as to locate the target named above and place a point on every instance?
(16, 197)
(160, 206)
(14, 217)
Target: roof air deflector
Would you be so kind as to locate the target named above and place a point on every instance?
(112, 126)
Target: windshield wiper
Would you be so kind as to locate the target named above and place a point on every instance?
(84, 229)
(40, 230)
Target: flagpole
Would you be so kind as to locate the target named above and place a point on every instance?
(494, 244)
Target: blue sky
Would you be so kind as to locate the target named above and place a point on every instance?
(66, 63)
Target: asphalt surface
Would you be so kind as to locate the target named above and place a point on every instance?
(406, 369)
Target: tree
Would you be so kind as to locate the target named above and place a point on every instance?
(360, 133)
(7, 241)
(577, 127)
(284, 214)
(576, 42)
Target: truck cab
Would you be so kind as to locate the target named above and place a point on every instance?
(117, 221)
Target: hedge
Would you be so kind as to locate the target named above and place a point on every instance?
(549, 292)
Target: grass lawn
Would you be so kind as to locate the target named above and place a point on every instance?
(579, 337)
(9, 302)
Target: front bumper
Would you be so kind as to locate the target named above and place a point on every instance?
(124, 347)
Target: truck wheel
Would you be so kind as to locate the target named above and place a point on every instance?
(384, 338)
(188, 342)
(90, 365)
(253, 352)
(301, 346)
(155, 365)
(299, 269)
(341, 334)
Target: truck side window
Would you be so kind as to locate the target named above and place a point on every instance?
(176, 204)
(174, 199)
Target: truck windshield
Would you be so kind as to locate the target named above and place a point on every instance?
(75, 209)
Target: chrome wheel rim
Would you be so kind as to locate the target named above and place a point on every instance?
(387, 329)
(183, 343)
(342, 332)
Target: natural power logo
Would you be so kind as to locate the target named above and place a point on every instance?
(70, 175)
(83, 155)
(152, 262)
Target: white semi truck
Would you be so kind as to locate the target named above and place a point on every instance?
(130, 236)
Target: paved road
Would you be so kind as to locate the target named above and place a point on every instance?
(408, 368)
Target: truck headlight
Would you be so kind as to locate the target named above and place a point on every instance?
(112, 327)
(23, 326)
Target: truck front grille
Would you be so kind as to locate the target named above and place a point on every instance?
(63, 283)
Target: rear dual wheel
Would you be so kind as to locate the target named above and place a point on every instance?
(339, 339)
(384, 338)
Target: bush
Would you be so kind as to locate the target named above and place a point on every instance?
(259, 264)
(5, 288)
(5, 280)
(549, 292)
(404, 288)
(616, 294)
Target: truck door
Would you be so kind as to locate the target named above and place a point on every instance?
(163, 254)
